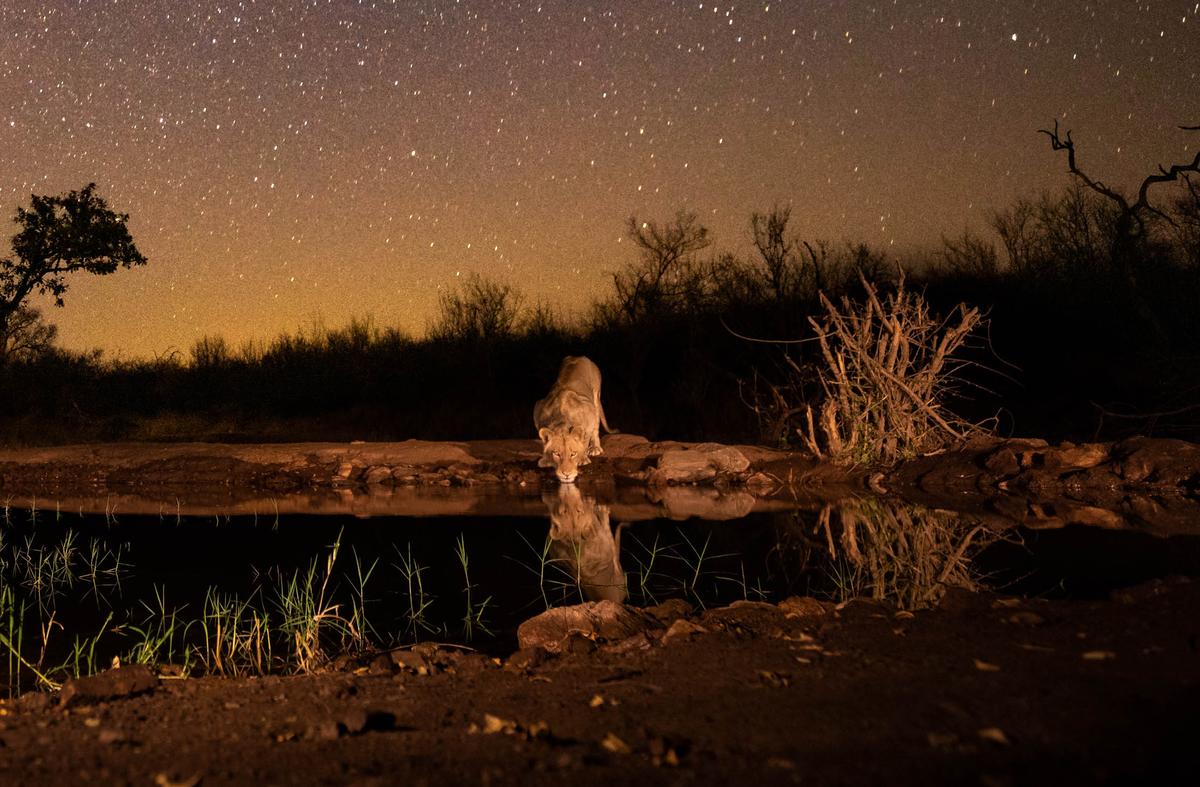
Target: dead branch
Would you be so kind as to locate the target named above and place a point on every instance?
(1130, 214)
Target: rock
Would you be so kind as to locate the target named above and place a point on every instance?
(1083, 456)
(1002, 462)
(743, 616)
(434, 454)
(620, 443)
(670, 610)
(802, 607)
(526, 658)
(699, 463)
(108, 685)
(377, 475)
(412, 661)
(762, 483)
(638, 642)
(606, 620)
(682, 629)
(1157, 461)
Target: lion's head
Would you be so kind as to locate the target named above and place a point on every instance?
(565, 449)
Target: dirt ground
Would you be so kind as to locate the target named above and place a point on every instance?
(984, 690)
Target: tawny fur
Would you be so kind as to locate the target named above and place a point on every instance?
(568, 420)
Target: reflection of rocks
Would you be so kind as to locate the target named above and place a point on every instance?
(683, 502)
(583, 543)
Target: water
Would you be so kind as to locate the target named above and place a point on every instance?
(248, 584)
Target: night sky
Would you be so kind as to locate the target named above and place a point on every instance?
(290, 161)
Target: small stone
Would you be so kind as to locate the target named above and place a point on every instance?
(411, 661)
(995, 735)
(614, 744)
(109, 737)
(682, 629)
(526, 658)
(1025, 618)
(377, 475)
(1099, 655)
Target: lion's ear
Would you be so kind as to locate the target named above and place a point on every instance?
(544, 435)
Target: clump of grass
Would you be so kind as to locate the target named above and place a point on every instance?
(13, 611)
(236, 636)
(162, 636)
(418, 600)
(645, 569)
(473, 618)
(694, 560)
(309, 614)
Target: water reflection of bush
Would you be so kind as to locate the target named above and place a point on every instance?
(888, 550)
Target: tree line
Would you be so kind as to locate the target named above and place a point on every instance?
(1089, 299)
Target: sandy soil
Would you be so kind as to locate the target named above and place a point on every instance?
(984, 690)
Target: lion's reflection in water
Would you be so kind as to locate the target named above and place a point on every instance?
(583, 544)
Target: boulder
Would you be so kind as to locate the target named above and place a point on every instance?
(605, 620)
(108, 685)
(698, 463)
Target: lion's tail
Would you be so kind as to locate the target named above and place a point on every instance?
(604, 421)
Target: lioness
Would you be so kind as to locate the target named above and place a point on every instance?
(584, 545)
(568, 420)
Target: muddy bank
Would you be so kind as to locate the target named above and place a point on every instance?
(285, 467)
(983, 690)
(1145, 484)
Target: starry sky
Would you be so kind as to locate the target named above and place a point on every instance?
(286, 162)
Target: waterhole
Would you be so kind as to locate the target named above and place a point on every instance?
(291, 584)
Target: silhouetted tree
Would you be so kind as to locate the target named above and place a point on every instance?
(663, 277)
(1187, 221)
(60, 235)
(26, 336)
(481, 309)
(1057, 235)
(777, 251)
(1132, 217)
(970, 256)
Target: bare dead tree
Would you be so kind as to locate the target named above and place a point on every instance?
(1131, 221)
(1129, 241)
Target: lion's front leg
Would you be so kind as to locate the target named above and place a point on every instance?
(594, 447)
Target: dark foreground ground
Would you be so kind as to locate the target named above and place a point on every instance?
(983, 690)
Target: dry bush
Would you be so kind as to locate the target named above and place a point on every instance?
(888, 366)
(902, 553)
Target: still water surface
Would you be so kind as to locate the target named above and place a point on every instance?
(276, 584)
